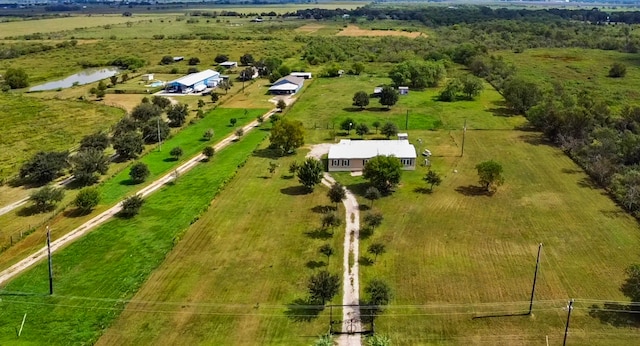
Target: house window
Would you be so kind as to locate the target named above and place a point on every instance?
(335, 163)
(406, 162)
(345, 163)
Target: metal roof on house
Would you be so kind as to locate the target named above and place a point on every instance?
(284, 87)
(348, 149)
(290, 79)
(194, 78)
(228, 63)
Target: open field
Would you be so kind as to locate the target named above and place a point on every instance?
(28, 27)
(581, 69)
(353, 30)
(37, 125)
(240, 273)
(109, 264)
(457, 253)
(327, 102)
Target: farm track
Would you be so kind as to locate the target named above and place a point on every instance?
(41, 254)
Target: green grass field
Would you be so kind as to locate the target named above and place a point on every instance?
(44, 26)
(37, 125)
(94, 275)
(256, 245)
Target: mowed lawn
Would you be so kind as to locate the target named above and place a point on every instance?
(97, 274)
(34, 125)
(456, 254)
(230, 279)
(326, 102)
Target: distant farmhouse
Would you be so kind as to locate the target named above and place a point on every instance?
(194, 82)
(286, 85)
(351, 155)
(229, 64)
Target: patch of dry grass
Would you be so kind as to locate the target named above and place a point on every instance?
(352, 30)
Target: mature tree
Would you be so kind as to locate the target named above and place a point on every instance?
(233, 121)
(348, 124)
(145, 111)
(247, 59)
(155, 130)
(220, 58)
(323, 286)
(379, 293)
(166, 60)
(131, 206)
(310, 173)
(418, 74)
(432, 178)
(631, 286)
(16, 78)
(450, 91)
(324, 340)
(490, 174)
(357, 67)
(208, 152)
(102, 86)
(272, 167)
(376, 125)
(177, 114)
(126, 124)
(201, 104)
(376, 249)
(362, 129)
(194, 61)
(87, 199)
(521, 95)
(284, 70)
(113, 80)
(214, 97)
(372, 194)
(128, 145)
(100, 94)
(336, 193)
(287, 135)
(626, 188)
(293, 167)
(98, 141)
(139, 172)
(330, 221)
(326, 250)
(383, 172)
(471, 86)
(281, 105)
(208, 134)
(373, 220)
(389, 129)
(46, 198)
(161, 101)
(176, 153)
(618, 70)
(239, 132)
(43, 167)
(378, 340)
(388, 96)
(361, 99)
(246, 74)
(224, 85)
(87, 164)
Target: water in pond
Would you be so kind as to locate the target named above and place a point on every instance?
(83, 77)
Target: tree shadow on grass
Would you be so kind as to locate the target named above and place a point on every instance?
(31, 210)
(352, 109)
(359, 189)
(501, 109)
(303, 310)
(268, 153)
(315, 264)
(128, 182)
(322, 209)
(72, 213)
(534, 139)
(295, 190)
(472, 190)
(365, 261)
(422, 190)
(617, 315)
(378, 109)
(366, 233)
(364, 207)
(319, 234)
(571, 171)
(588, 183)
(170, 159)
(286, 176)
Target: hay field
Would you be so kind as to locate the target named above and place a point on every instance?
(27, 27)
(352, 30)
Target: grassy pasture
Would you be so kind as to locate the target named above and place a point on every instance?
(37, 125)
(455, 254)
(241, 264)
(353, 30)
(581, 69)
(111, 263)
(327, 102)
(27, 27)
(283, 8)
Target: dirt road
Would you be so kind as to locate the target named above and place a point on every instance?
(41, 254)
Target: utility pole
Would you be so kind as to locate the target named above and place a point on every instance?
(535, 278)
(406, 121)
(464, 132)
(50, 263)
(159, 138)
(566, 329)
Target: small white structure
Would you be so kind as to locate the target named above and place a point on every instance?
(377, 91)
(403, 136)
(351, 155)
(305, 75)
(178, 58)
(229, 64)
(403, 90)
(188, 83)
(147, 77)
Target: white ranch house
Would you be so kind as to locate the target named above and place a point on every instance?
(351, 155)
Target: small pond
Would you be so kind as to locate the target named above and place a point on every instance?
(83, 77)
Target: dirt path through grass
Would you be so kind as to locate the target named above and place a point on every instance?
(41, 254)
